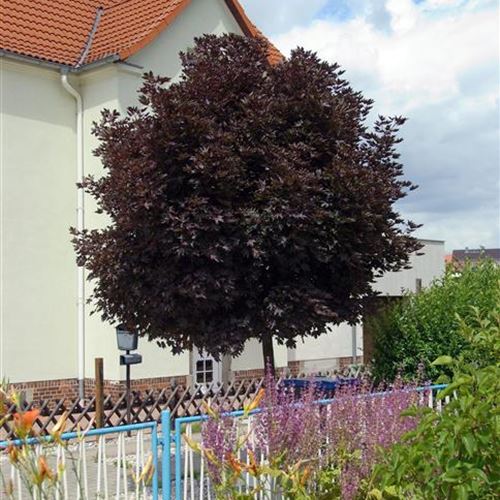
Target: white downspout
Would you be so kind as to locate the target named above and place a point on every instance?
(80, 225)
(354, 344)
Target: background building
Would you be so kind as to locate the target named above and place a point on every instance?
(475, 254)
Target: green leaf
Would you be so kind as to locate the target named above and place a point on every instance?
(442, 361)
(391, 493)
(443, 379)
(375, 494)
(410, 412)
(469, 443)
(461, 492)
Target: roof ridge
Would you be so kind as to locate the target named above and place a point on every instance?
(117, 4)
(86, 49)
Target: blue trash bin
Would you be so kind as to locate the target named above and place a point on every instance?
(325, 385)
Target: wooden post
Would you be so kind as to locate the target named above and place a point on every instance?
(99, 393)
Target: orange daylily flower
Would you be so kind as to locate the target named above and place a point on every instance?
(234, 463)
(44, 470)
(305, 476)
(23, 422)
(13, 453)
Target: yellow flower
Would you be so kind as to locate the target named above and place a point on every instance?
(255, 403)
(147, 471)
(58, 429)
(211, 456)
(252, 466)
(192, 443)
(208, 409)
(61, 423)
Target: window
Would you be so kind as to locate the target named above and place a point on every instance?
(204, 370)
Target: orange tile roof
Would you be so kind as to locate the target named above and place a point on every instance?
(79, 32)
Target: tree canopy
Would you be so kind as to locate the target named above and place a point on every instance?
(246, 200)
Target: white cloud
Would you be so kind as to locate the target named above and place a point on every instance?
(432, 4)
(275, 16)
(436, 62)
(420, 62)
(403, 13)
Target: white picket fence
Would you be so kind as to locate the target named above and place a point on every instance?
(100, 464)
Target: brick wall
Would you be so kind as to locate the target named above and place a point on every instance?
(68, 388)
(48, 389)
(294, 367)
(346, 361)
(117, 387)
(256, 373)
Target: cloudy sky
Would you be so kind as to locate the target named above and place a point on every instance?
(434, 61)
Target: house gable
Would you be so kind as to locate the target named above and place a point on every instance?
(201, 17)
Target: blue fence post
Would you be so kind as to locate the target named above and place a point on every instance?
(178, 463)
(165, 457)
(154, 450)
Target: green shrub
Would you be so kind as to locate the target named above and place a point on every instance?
(424, 326)
(453, 454)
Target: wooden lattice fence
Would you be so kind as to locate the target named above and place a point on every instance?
(145, 406)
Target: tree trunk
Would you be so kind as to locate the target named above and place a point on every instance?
(268, 353)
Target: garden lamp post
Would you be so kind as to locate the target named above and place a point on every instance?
(127, 341)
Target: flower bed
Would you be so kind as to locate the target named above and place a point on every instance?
(304, 447)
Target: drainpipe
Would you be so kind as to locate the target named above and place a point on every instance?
(80, 225)
(354, 344)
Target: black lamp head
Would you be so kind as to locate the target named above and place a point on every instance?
(127, 339)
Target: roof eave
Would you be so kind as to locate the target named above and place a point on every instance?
(33, 60)
(58, 66)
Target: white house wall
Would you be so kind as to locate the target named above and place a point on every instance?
(37, 199)
(252, 359)
(318, 354)
(425, 267)
(99, 90)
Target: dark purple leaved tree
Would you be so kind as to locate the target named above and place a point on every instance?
(246, 200)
